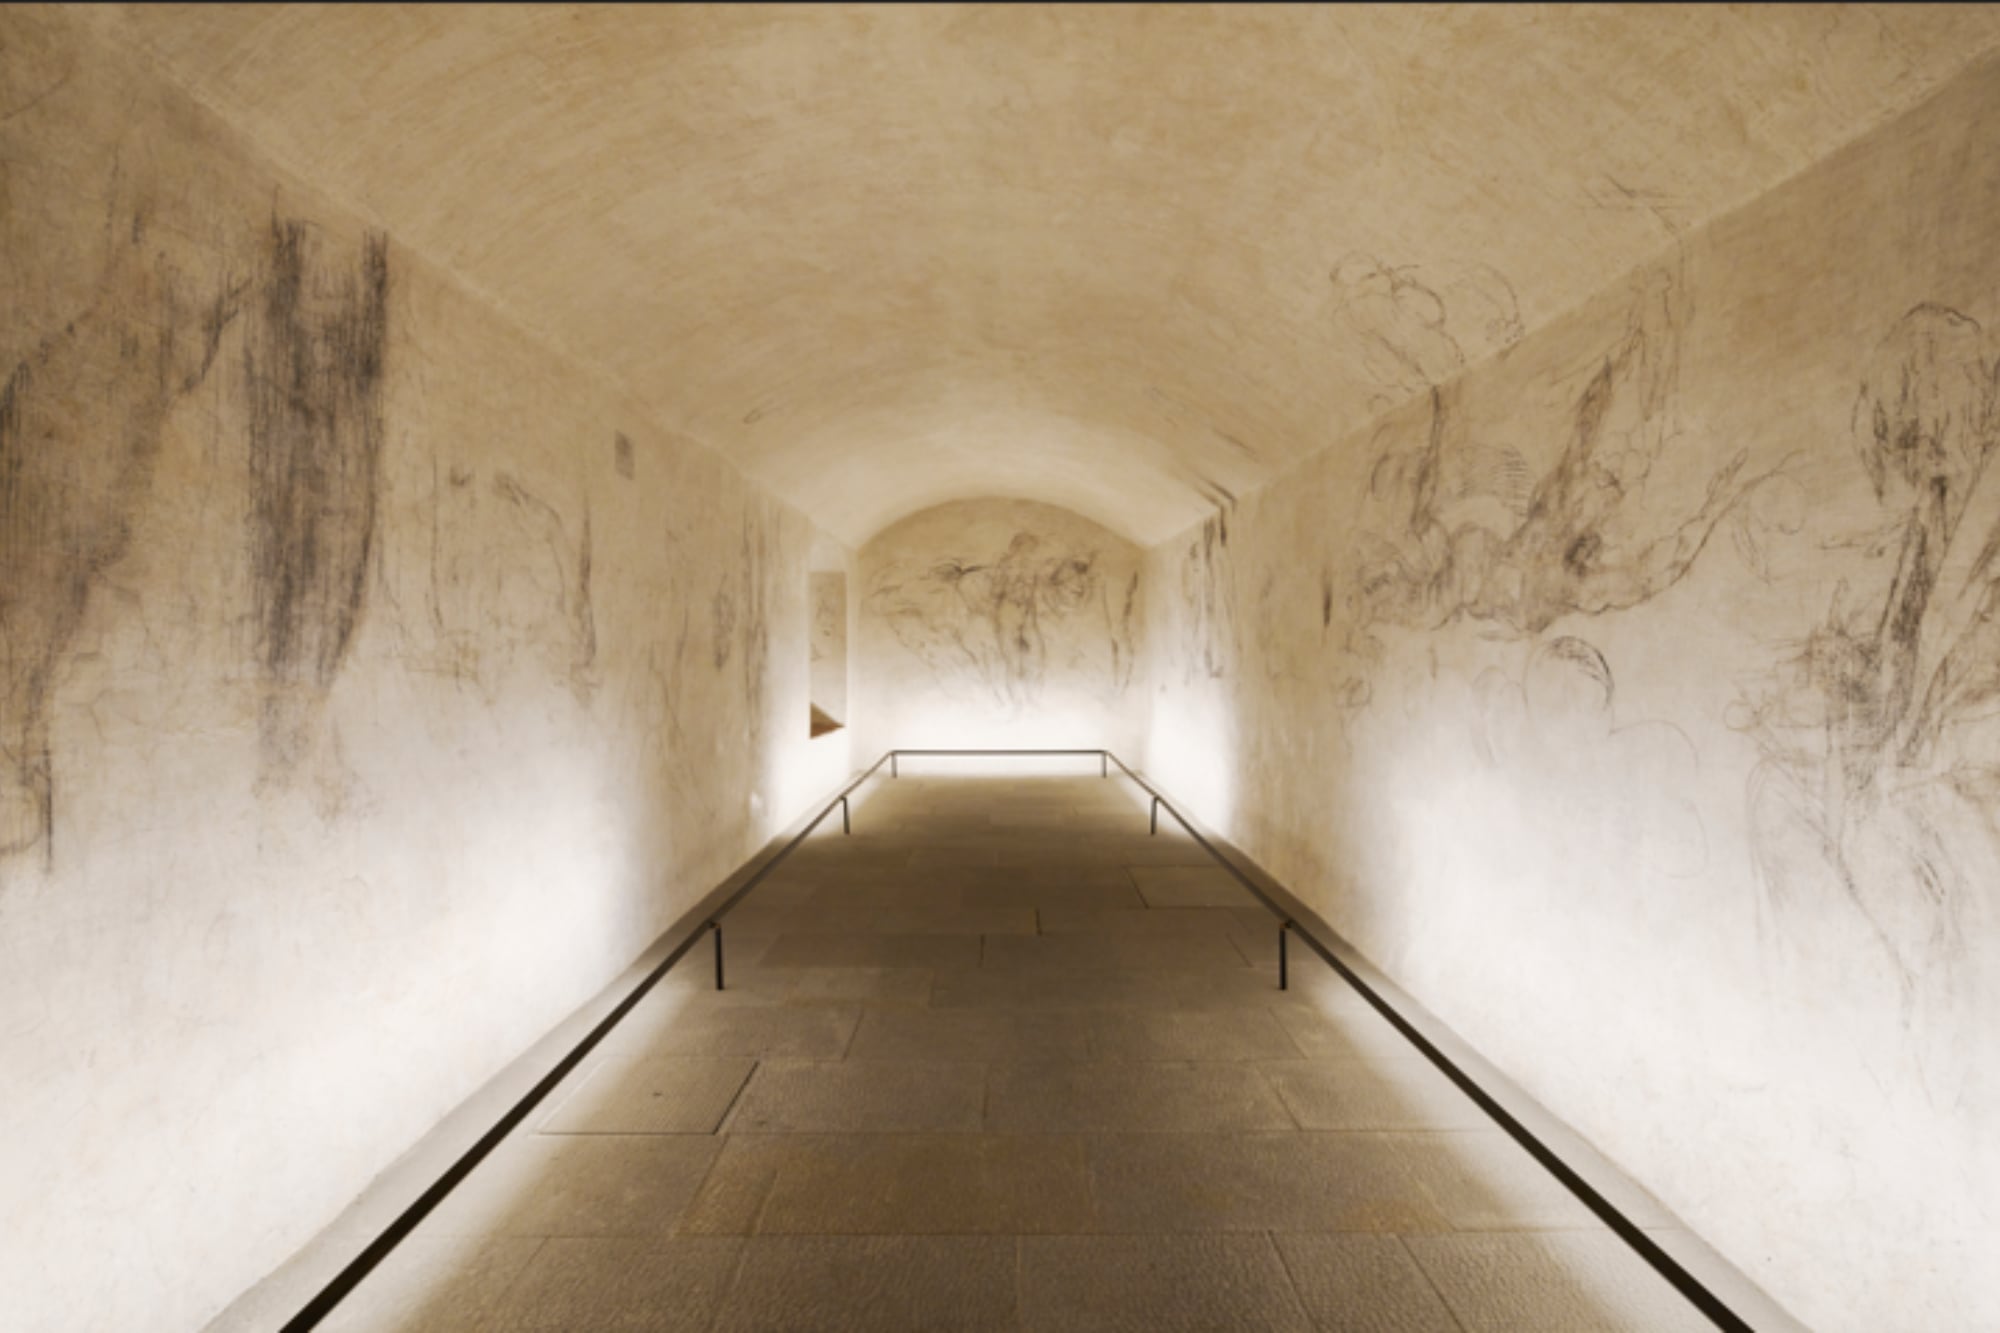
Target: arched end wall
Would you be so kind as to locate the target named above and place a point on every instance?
(998, 623)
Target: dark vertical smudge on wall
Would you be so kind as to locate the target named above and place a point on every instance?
(82, 421)
(316, 362)
(583, 660)
(621, 455)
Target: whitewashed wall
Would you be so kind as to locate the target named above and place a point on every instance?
(374, 686)
(1634, 700)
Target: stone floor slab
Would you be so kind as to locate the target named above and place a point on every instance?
(989, 1035)
(619, 1286)
(660, 1095)
(578, 1185)
(1554, 1282)
(1132, 1098)
(861, 1097)
(826, 1284)
(1146, 1283)
(1363, 1284)
(889, 1184)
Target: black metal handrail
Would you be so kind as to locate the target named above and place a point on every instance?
(393, 1235)
(1686, 1283)
(1663, 1263)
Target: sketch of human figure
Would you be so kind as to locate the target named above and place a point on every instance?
(987, 619)
(82, 422)
(1555, 545)
(1877, 769)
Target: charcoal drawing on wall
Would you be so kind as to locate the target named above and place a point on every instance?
(81, 422)
(315, 363)
(1881, 760)
(996, 622)
(1476, 533)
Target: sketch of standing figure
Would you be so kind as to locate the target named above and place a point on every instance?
(1873, 758)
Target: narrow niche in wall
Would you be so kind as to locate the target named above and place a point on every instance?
(827, 688)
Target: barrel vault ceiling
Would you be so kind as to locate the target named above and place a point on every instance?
(1104, 257)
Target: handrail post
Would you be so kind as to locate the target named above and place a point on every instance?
(716, 926)
(1104, 762)
(846, 823)
(1284, 979)
(892, 763)
(1155, 817)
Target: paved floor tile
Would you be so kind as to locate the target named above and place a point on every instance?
(1131, 1097)
(760, 1030)
(1107, 952)
(435, 1284)
(918, 1184)
(1385, 1094)
(989, 1035)
(1244, 1033)
(861, 1097)
(1144, 1283)
(578, 1185)
(1553, 1282)
(1257, 1182)
(936, 952)
(619, 1286)
(660, 1095)
(822, 1284)
(1363, 1284)
(1191, 886)
(1484, 1181)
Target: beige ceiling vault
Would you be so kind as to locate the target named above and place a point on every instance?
(886, 257)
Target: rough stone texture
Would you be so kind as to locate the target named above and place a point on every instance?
(1629, 698)
(998, 624)
(374, 685)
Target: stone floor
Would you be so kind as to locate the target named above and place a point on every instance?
(1002, 1060)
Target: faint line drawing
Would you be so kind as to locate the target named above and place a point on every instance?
(986, 622)
(1879, 763)
(1555, 545)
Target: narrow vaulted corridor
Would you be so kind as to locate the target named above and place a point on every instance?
(1002, 1060)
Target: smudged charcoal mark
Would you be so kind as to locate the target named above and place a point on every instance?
(572, 574)
(1124, 639)
(1238, 446)
(584, 659)
(1207, 594)
(315, 362)
(985, 623)
(621, 453)
(758, 560)
(82, 422)
(722, 624)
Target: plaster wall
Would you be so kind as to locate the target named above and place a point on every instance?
(374, 685)
(998, 623)
(1631, 698)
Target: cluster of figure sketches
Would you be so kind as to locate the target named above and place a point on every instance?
(1880, 763)
(1475, 533)
(989, 623)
